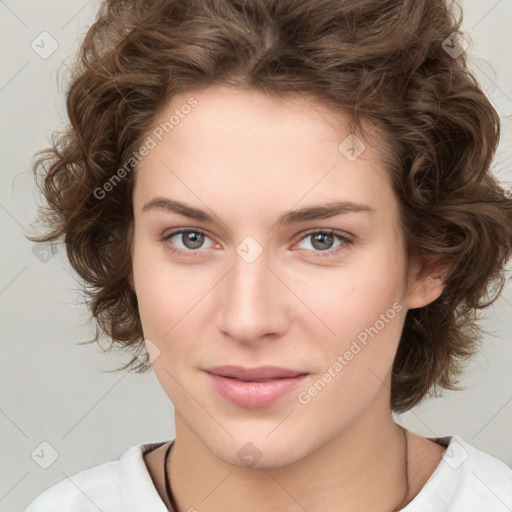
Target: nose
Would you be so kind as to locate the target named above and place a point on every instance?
(253, 302)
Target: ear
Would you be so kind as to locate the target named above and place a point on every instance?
(132, 247)
(131, 281)
(425, 281)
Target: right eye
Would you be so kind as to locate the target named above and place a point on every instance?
(191, 239)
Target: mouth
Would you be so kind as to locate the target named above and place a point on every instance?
(256, 387)
(260, 374)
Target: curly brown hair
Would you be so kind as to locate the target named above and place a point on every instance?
(393, 62)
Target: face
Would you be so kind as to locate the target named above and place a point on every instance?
(325, 296)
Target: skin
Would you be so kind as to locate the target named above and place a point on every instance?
(246, 158)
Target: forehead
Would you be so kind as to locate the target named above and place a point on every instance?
(221, 113)
(256, 148)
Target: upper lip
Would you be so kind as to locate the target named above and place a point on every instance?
(252, 374)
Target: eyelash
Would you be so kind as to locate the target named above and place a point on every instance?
(317, 254)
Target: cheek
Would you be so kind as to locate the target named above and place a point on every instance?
(168, 299)
(353, 297)
(164, 293)
(358, 360)
(362, 306)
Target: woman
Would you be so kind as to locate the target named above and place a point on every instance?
(290, 205)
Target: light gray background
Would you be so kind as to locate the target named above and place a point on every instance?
(58, 392)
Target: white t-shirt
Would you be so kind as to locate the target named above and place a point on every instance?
(466, 480)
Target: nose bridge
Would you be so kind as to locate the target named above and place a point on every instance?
(249, 308)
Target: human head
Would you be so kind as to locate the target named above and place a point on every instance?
(252, 291)
(381, 62)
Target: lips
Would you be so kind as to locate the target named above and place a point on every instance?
(260, 374)
(254, 387)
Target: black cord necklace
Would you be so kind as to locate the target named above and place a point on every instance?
(170, 497)
(174, 508)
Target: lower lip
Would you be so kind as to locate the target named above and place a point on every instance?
(254, 394)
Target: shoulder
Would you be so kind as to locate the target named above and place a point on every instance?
(124, 485)
(473, 466)
(81, 491)
(467, 479)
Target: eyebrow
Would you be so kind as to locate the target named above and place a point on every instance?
(315, 212)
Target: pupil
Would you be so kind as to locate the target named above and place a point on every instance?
(324, 239)
(193, 238)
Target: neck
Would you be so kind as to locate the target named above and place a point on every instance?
(360, 469)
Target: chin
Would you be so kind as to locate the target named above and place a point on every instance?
(259, 451)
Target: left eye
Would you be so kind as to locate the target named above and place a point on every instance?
(322, 241)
